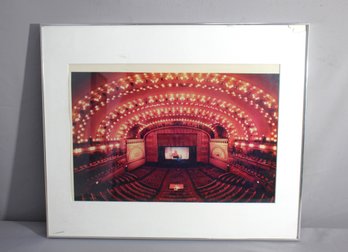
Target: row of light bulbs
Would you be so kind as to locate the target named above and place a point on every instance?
(111, 87)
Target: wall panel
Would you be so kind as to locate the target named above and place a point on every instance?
(219, 152)
(135, 153)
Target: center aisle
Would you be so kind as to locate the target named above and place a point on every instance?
(178, 176)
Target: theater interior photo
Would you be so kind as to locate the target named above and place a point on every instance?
(174, 136)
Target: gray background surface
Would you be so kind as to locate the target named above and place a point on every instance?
(325, 200)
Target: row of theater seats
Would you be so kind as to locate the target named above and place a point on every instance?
(266, 176)
(142, 184)
(96, 163)
(124, 179)
(198, 177)
(228, 187)
(263, 160)
(155, 178)
(200, 185)
(134, 191)
(126, 187)
(143, 171)
(102, 171)
(210, 171)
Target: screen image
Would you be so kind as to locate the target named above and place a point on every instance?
(176, 153)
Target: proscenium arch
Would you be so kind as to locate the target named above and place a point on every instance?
(181, 130)
(173, 126)
(162, 123)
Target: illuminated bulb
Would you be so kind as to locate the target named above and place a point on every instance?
(77, 151)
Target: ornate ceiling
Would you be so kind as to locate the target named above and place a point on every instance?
(114, 106)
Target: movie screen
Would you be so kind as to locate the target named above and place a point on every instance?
(176, 153)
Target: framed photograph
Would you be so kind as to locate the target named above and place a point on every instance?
(174, 131)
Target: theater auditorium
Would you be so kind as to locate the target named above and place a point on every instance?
(174, 136)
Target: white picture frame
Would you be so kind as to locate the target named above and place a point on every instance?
(106, 46)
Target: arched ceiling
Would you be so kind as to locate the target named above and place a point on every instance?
(106, 106)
